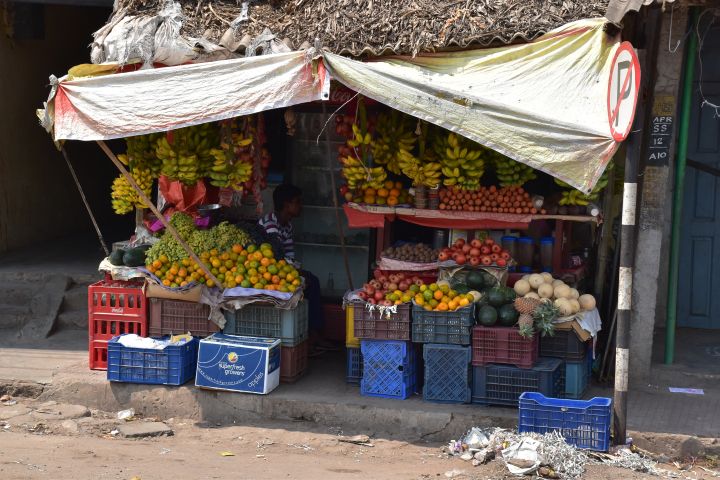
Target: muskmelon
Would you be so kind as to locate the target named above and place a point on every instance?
(522, 287)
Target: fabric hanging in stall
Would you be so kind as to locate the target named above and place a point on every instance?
(544, 103)
(152, 100)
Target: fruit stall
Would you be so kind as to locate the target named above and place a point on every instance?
(448, 269)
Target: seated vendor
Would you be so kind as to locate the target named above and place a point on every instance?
(287, 203)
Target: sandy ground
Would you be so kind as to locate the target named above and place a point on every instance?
(42, 443)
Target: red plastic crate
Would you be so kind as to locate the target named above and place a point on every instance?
(293, 362)
(114, 308)
(503, 345)
(176, 317)
(374, 325)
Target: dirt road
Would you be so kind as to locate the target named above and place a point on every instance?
(42, 443)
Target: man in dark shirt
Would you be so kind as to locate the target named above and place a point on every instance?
(287, 204)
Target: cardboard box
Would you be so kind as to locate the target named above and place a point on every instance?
(239, 364)
(153, 290)
(581, 333)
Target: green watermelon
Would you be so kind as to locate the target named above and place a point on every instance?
(496, 297)
(487, 316)
(461, 288)
(507, 315)
(475, 280)
(116, 257)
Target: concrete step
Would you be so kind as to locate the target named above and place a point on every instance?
(76, 319)
(17, 293)
(76, 299)
(13, 316)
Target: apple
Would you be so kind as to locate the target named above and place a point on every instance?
(403, 286)
(455, 255)
(392, 286)
(501, 262)
(393, 279)
(485, 250)
(460, 259)
(385, 285)
(377, 274)
(476, 243)
(418, 282)
(496, 248)
(466, 249)
(459, 242)
(486, 260)
(474, 261)
(376, 284)
(494, 257)
(505, 255)
(489, 242)
(379, 295)
(443, 256)
(371, 301)
(383, 279)
(369, 289)
(474, 252)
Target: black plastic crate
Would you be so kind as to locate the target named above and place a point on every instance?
(503, 384)
(354, 365)
(442, 327)
(564, 344)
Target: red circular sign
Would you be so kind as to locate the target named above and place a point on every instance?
(623, 91)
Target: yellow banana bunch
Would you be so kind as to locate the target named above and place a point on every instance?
(188, 157)
(394, 134)
(124, 197)
(359, 139)
(224, 174)
(461, 160)
(427, 173)
(509, 172)
(141, 152)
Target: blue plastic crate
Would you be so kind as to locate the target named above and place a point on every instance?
(398, 382)
(583, 423)
(386, 353)
(354, 365)
(173, 365)
(577, 377)
(268, 321)
(503, 384)
(442, 327)
(447, 373)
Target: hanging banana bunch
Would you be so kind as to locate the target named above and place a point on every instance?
(141, 152)
(124, 197)
(572, 196)
(461, 161)
(394, 135)
(509, 172)
(186, 155)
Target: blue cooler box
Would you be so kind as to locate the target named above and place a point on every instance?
(239, 364)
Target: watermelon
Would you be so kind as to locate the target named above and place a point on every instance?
(487, 316)
(475, 280)
(496, 297)
(507, 315)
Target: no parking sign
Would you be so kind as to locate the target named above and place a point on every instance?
(623, 91)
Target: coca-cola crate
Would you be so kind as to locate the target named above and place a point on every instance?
(114, 308)
(176, 316)
(372, 322)
(293, 362)
(503, 345)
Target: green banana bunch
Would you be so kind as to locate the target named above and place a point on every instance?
(141, 152)
(509, 172)
(461, 160)
(571, 196)
(393, 135)
(188, 157)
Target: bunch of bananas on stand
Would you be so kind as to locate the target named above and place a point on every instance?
(394, 136)
(141, 152)
(421, 173)
(124, 197)
(509, 172)
(223, 173)
(462, 161)
(354, 170)
(187, 157)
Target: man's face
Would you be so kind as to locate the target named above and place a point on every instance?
(294, 207)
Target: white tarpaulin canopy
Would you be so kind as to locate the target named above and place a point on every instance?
(543, 103)
(152, 100)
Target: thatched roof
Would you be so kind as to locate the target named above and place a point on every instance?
(375, 27)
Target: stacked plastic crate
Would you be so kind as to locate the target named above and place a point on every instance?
(352, 345)
(268, 321)
(576, 353)
(505, 365)
(446, 352)
(389, 369)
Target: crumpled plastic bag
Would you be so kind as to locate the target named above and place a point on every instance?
(522, 458)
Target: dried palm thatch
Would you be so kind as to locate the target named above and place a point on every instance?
(374, 27)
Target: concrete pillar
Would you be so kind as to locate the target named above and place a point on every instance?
(653, 243)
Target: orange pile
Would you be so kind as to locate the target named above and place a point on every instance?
(251, 267)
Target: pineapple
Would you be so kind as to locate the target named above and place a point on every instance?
(526, 305)
(525, 326)
(544, 316)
